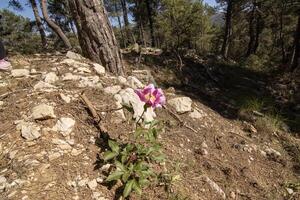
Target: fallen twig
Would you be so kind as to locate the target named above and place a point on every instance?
(183, 123)
(94, 113)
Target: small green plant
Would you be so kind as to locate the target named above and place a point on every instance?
(133, 161)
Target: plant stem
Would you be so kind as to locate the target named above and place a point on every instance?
(141, 116)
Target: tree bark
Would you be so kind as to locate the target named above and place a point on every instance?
(150, 18)
(129, 33)
(38, 22)
(296, 50)
(228, 29)
(53, 26)
(120, 25)
(251, 31)
(96, 36)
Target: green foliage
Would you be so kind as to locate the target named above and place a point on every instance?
(183, 24)
(17, 33)
(134, 161)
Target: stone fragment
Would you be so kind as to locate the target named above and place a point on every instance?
(64, 126)
(215, 187)
(134, 83)
(51, 77)
(41, 85)
(30, 131)
(181, 104)
(197, 114)
(92, 184)
(66, 98)
(43, 112)
(70, 77)
(99, 68)
(112, 89)
(18, 73)
(75, 56)
(3, 183)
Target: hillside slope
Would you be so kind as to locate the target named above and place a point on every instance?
(49, 148)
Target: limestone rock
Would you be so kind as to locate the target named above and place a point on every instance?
(181, 104)
(134, 83)
(18, 73)
(64, 126)
(91, 81)
(3, 183)
(74, 63)
(112, 89)
(42, 112)
(92, 184)
(99, 68)
(197, 114)
(75, 56)
(215, 187)
(122, 80)
(66, 98)
(41, 85)
(50, 78)
(70, 77)
(30, 131)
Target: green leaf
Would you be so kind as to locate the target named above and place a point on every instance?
(114, 146)
(128, 188)
(125, 176)
(109, 155)
(114, 176)
(143, 182)
(120, 166)
(136, 186)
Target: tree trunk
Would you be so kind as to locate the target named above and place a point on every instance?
(53, 26)
(38, 22)
(296, 51)
(120, 25)
(281, 37)
(140, 23)
(129, 33)
(150, 18)
(259, 30)
(251, 31)
(96, 36)
(228, 29)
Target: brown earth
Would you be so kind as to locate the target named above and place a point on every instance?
(215, 147)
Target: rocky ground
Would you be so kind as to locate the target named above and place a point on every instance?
(49, 148)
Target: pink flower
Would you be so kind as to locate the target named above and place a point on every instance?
(153, 97)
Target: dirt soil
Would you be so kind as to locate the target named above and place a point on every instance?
(215, 156)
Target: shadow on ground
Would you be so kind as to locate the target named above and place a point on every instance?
(221, 86)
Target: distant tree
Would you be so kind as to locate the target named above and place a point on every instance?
(53, 26)
(38, 22)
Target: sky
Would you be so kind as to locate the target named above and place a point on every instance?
(27, 12)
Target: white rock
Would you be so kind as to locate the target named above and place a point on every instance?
(215, 187)
(134, 83)
(118, 116)
(112, 89)
(3, 183)
(74, 63)
(181, 104)
(70, 77)
(1, 103)
(30, 131)
(51, 78)
(99, 68)
(83, 182)
(98, 196)
(75, 152)
(99, 180)
(41, 85)
(91, 81)
(84, 70)
(92, 184)
(122, 80)
(272, 152)
(66, 98)
(197, 114)
(64, 126)
(54, 155)
(18, 73)
(42, 112)
(290, 191)
(131, 99)
(62, 144)
(75, 56)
